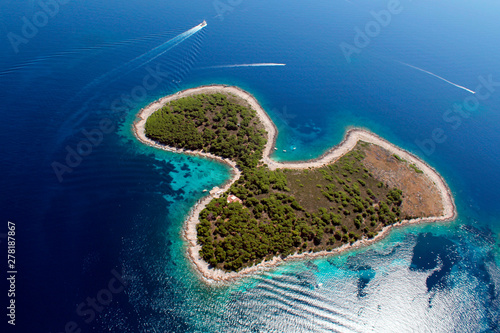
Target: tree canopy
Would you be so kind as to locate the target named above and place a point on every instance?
(283, 211)
(212, 123)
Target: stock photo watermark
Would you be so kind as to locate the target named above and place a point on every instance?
(454, 116)
(94, 137)
(140, 93)
(11, 272)
(224, 7)
(92, 306)
(74, 156)
(372, 29)
(284, 115)
(31, 26)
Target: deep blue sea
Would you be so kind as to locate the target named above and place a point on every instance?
(98, 215)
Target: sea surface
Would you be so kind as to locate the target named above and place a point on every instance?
(91, 204)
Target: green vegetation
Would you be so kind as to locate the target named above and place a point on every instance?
(281, 212)
(414, 167)
(212, 123)
(399, 158)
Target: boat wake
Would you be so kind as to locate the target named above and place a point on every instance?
(437, 76)
(143, 59)
(266, 64)
(93, 89)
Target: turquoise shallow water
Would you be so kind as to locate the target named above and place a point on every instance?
(122, 206)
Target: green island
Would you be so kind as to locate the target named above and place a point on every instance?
(268, 213)
(213, 123)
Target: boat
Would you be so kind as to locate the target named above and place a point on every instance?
(203, 24)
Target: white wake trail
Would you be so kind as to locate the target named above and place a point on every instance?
(93, 89)
(265, 64)
(160, 50)
(139, 61)
(439, 77)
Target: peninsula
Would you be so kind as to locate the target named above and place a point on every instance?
(273, 211)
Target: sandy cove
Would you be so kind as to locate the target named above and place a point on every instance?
(354, 135)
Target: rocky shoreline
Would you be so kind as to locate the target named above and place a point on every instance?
(353, 135)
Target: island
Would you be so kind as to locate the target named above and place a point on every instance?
(269, 211)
